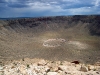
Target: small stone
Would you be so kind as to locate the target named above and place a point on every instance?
(55, 69)
(1, 67)
(97, 72)
(42, 63)
(62, 68)
(97, 63)
(1, 73)
(90, 67)
(59, 71)
(47, 69)
(84, 69)
(52, 73)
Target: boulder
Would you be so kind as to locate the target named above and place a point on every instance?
(52, 73)
(62, 68)
(42, 63)
(83, 68)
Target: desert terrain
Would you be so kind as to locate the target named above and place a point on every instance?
(59, 38)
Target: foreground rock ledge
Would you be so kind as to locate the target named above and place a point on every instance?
(44, 67)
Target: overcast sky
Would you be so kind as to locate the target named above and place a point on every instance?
(36, 8)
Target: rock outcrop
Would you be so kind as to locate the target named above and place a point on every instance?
(45, 67)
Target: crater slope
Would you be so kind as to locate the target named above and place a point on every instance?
(72, 38)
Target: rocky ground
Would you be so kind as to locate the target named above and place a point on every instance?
(28, 66)
(51, 38)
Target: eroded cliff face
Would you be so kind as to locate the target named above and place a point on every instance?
(53, 23)
(25, 37)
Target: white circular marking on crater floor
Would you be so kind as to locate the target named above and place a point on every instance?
(53, 42)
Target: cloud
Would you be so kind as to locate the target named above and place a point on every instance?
(2, 1)
(74, 1)
(38, 6)
(17, 5)
(48, 7)
(97, 3)
(69, 6)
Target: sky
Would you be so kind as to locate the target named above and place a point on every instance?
(38, 8)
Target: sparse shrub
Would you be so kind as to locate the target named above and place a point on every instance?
(22, 59)
(61, 63)
(28, 66)
(94, 69)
